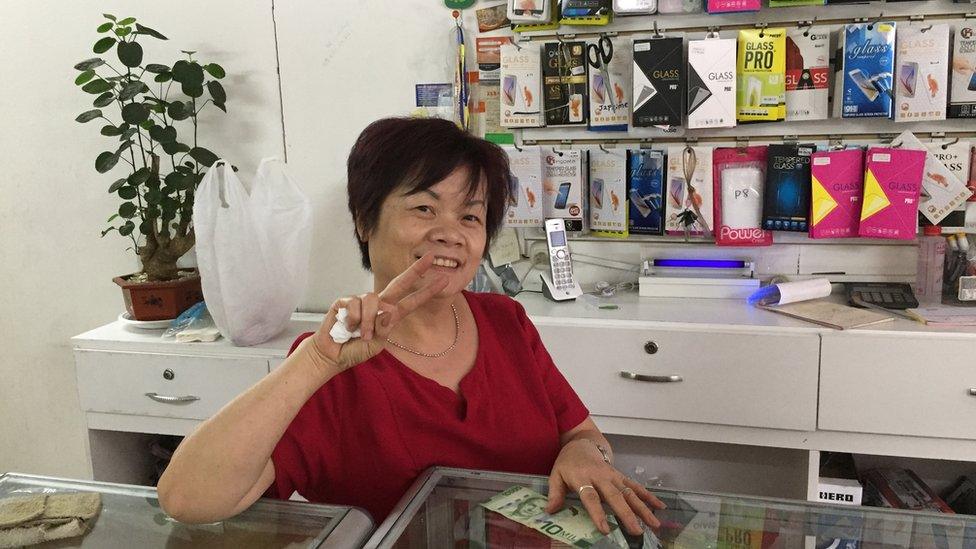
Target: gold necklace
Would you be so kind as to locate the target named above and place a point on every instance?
(457, 335)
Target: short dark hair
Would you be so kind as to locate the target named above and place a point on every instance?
(416, 154)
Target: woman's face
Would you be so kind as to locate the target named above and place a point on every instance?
(442, 220)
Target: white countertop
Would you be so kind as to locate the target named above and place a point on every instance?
(675, 313)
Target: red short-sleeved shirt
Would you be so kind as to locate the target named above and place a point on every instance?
(368, 433)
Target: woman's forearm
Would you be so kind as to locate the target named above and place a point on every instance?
(219, 464)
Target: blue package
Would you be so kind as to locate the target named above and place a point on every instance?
(869, 58)
(645, 191)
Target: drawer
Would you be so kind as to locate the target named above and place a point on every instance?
(898, 385)
(117, 382)
(727, 378)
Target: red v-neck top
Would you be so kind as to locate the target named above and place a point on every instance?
(366, 435)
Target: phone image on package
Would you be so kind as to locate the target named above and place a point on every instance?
(907, 77)
(638, 201)
(576, 107)
(514, 189)
(972, 82)
(598, 86)
(562, 196)
(742, 197)
(754, 92)
(864, 84)
(596, 193)
(509, 84)
(523, 7)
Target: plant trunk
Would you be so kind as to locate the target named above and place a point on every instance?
(159, 255)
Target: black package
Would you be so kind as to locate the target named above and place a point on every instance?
(564, 81)
(659, 82)
(786, 202)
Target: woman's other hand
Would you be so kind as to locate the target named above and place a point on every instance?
(580, 468)
(375, 315)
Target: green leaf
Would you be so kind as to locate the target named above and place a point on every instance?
(156, 68)
(217, 92)
(106, 161)
(148, 31)
(163, 135)
(174, 147)
(178, 111)
(188, 72)
(221, 106)
(104, 27)
(215, 70)
(135, 113)
(123, 146)
(128, 133)
(131, 89)
(177, 181)
(158, 107)
(127, 21)
(97, 86)
(128, 193)
(89, 64)
(104, 44)
(153, 196)
(88, 116)
(114, 187)
(203, 156)
(127, 210)
(192, 90)
(113, 218)
(84, 77)
(104, 100)
(163, 77)
(139, 177)
(122, 32)
(130, 54)
(108, 16)
(108, 230)
(109, 130)
(126, 230)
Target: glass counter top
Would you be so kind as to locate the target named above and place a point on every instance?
(441, 510)
(131, 517)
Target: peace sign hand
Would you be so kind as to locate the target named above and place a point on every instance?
(375, 315)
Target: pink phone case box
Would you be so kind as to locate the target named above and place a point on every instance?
(892, 183)
(838, 184)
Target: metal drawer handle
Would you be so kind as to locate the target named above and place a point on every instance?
(172, 400)
(653, 379)
(972, 391)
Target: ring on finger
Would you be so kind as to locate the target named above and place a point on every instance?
(584, 487)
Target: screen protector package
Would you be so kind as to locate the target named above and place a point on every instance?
(807, 73)
(659, 82)
(521, 85)
(943, 192)
(610, 101)
(608, 192)
(869, 56)
(962, 91)
(837, 179)
(563, 182)
(711, 83)
(689, 207)
(921, 72)
(761, 78)
(645, 190)
(956, 154)
(738, 175)
(525, 202)
(786, 201)
(892, 182)
(564, 82)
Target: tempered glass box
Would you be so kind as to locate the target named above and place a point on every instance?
(442, 510)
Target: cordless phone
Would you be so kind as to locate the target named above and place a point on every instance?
(559, 284)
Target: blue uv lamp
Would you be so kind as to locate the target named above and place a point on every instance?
(698, 278)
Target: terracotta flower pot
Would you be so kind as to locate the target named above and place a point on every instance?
(159, 300)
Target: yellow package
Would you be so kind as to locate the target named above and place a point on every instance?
(761, 78)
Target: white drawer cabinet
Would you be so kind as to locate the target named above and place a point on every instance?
(162, 385)
(727, 378)
(891, 384)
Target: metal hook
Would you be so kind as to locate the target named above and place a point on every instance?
(657, 33)
(516, 145)
(806, 25)
(924, 29)
(948, 144)
(604, 149)
(876, 21)
(712, 32)
(560, 153)
(515, 41)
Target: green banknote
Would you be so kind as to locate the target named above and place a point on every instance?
(572, 525)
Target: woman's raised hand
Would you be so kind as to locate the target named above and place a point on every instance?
(402, 296)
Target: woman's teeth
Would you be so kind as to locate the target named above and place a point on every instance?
(442, 262)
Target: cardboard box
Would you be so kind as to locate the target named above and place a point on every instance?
(761, 78)
(679, 200)
(610, 110)
(608, 192)
(564, 82)
(526, 205)
(711, 83)
(521, 85)
(837, 181)
(962, 90)
(786, 202)
(645, 191)
(807, 73)
(563, 187)
(921, 75)
(892, 182)
(659, 82)
(869, 55)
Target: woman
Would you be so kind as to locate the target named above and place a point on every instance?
(439, 376)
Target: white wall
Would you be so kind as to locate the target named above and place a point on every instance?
(57, 272)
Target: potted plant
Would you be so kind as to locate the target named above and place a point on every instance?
(151, 111)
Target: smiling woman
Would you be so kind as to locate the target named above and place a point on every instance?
(436, 376)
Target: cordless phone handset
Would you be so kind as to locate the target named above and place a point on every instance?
(559, 284)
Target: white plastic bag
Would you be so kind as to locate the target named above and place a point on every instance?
(252, 250)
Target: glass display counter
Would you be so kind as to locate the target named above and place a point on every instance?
(131, 517)
(442, 510)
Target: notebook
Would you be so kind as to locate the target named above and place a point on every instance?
(829, 314)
